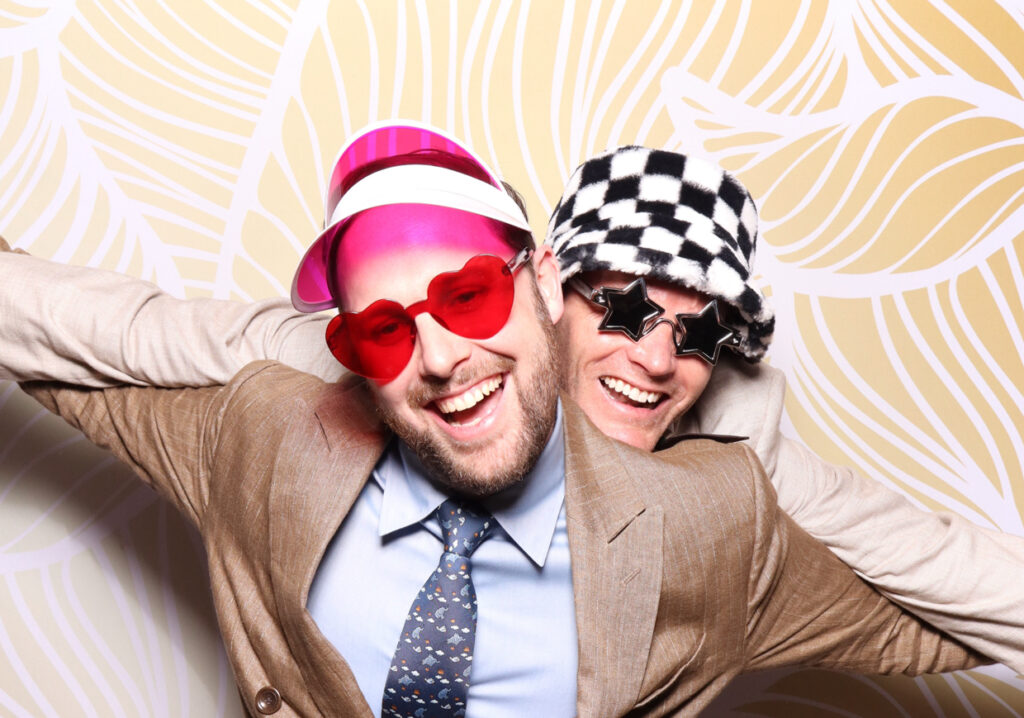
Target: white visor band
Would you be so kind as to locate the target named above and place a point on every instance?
(427, 184)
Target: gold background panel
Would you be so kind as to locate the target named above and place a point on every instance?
(187, 142)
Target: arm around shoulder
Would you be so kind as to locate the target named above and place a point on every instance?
(97, 328)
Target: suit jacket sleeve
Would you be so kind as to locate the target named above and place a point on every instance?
(167, 436)
(96, 328)
(807, 608)
(961, 578)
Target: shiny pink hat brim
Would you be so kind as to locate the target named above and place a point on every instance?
(310, 289)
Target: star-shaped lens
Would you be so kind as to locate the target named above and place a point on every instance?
(703, 334)
(628, 310)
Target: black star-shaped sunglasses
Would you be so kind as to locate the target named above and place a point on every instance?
(631, 311)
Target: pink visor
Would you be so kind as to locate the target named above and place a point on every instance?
(406, 184)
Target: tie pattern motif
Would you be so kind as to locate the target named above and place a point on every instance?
(430, 671)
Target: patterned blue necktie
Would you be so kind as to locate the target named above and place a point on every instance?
(429, 676)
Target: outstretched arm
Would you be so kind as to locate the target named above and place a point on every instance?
(963, 579)
(807, 608)
(960, 578)
(169, 437)
(96, 328)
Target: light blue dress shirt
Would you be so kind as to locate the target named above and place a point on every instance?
(525, 658)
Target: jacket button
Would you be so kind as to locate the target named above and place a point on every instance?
(268, 701)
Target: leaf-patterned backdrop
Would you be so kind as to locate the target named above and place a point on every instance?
(185, 142)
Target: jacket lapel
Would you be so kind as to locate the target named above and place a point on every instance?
(342, 440)
(615, 542)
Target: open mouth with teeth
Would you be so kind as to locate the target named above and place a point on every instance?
(631, 395)
(472, 405)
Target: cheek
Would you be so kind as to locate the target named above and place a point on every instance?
(581, 343)
(579, 321)
(573, 384)
(695, 373)
(391, 396)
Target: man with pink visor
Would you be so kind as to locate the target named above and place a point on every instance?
(598, 571)
(473, 302)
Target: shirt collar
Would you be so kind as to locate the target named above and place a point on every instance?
(527, 512)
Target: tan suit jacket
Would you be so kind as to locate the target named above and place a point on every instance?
(685, 572)
(95, 328)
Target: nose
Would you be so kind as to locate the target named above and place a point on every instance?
(440, 351)
(655, 353)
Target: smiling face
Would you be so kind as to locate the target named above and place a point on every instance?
(478, 413)
(630, 390)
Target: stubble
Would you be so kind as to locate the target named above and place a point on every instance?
(463, 471)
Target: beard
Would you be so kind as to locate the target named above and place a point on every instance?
(460, 469)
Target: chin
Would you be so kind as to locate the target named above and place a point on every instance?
(629, 435)
(476, 486)
(645, 442)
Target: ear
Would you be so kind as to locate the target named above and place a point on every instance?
(545, 268)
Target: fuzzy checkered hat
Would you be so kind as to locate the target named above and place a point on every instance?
(670, 217)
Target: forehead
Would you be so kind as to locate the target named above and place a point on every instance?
(393, 252)
(675, 298)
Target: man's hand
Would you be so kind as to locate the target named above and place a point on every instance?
(5, 247)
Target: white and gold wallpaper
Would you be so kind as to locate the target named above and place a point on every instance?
(186, 142)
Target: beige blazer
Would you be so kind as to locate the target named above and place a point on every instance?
(685, 571)
(95, 328)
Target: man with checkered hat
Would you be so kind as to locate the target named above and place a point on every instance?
(656, 247)
(663, 333)
(618, 589)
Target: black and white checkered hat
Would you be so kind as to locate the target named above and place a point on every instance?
(670, 217)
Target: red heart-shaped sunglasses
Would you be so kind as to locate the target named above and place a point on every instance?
(473, 302)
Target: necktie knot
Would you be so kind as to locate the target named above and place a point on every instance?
(463, 528)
